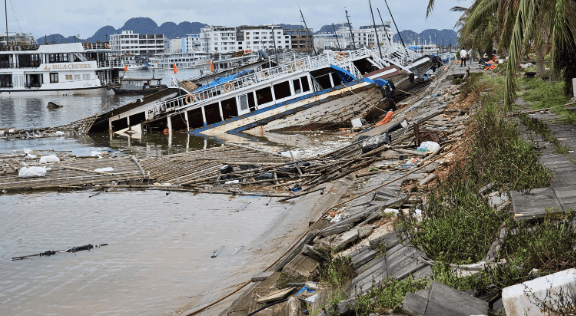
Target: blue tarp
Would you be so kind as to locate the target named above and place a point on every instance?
(222, 80)
(344, 74)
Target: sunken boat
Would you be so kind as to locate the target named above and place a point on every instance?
(328, 89)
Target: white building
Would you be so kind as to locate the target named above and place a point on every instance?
(130, 43)
(330, 41)
(221, 39)
(174, 46)
(191, 43)
(366, 36)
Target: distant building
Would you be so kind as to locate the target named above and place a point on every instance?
(130, 43)
(174, 46)
(366, 36)
(221, 39)
(301, 39)
(330, 41)
(191, 43)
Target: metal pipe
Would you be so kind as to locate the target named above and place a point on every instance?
(375, 29)
(308, 31)
(350, 26)
(396, 26)
(337, 41)
(6, 15)
(385, 31)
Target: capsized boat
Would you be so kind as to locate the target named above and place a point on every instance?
(326, 89)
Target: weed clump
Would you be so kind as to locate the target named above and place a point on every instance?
(335, 273)
(388, 296)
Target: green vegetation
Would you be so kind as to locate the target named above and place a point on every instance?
(460, 225)
(337, 272)
(387, 297)
(542, 129)
(542, 94)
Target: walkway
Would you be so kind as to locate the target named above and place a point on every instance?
(562, 191)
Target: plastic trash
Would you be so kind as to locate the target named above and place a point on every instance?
(10, 131)
(59, 133)
(49, 159)
(104, 169)
(27, 150)
(429, 147)
(95, 153)
(32, 172)
(266, 176)
(226, 169)
(336, 219)
(375, 142)
(232, 182)
(297, 188)
(357, 123)
(31, 156)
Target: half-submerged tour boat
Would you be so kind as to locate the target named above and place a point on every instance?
(328, 89)
(27, 68)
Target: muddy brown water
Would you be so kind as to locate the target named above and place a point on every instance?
(158, 258)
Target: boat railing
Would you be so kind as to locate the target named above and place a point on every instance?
(110, 63)
(200, 96)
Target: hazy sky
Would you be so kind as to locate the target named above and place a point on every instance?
(70, 17)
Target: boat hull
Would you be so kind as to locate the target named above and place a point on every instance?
(56, 92)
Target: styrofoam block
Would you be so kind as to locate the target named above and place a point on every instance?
(525, 298)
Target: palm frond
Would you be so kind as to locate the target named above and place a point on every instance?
(430, 8)
(458, 9)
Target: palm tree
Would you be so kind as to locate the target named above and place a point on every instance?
(518, 25)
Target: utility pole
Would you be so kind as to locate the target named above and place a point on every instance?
(385, 31)
(396, 26)
(274, 40)
(6, 14)
(336, 35)
(308, 31)
(350, 26)
(375, 29)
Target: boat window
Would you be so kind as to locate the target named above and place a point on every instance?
(305, 85)
(243, 102)
(77, 77)
(229, 108)
(6, 81)
(58, 58)
(282, 90)
(264, 96)
(212, 112)
(86, 77)
(68, 77)
(28, 61)
(5, 61)
(251, 102)
(54, 78)
(297, 86)
(195, 118)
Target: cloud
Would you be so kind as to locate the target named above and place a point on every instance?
(72, 17)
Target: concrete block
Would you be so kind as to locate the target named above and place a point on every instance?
(365, 231)
(389, 240)
(522, 299)
(262, 276)
(415, 304)
(457, 301)
(346, 239)
(301, 265)
(363, 258)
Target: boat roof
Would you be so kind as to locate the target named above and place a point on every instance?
(222, 80)
(139, 79)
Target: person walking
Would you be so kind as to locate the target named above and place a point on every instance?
(463, 56)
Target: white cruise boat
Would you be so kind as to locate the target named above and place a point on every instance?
(181, 60)
(27, 68)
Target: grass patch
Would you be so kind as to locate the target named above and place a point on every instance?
(459, 224)
(388, 297)
(543, 94)
(542, 129)
(335, 273)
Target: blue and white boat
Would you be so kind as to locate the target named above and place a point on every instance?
(328, 89)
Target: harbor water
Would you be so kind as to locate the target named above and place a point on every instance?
(158, 259)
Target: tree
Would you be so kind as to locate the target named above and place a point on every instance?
(516, 26)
